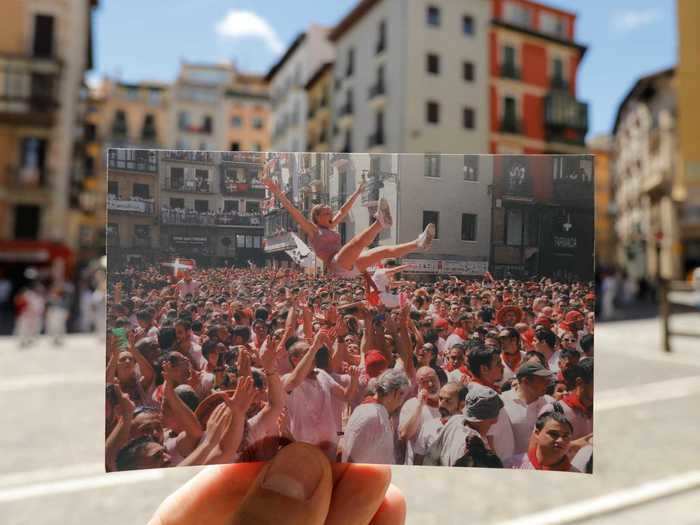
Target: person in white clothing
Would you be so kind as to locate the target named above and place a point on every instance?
(545, 342)
(450, 402)
(30, 305)
(418, 411)
(384, 279)
(511, 354)
(524, 403)
(187, 286)
(370, 435)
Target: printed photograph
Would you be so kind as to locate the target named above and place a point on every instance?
(404, 309)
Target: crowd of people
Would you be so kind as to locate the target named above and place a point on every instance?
(230, 365)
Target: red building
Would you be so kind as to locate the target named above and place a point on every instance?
(534, 63)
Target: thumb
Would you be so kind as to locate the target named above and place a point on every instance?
(294, 487)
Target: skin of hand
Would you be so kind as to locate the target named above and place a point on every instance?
(299, 486)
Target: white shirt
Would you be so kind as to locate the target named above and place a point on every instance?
(427, 413)
(382, 280)
(310, 410)
(522, 462)
(184, 288)
(369, 437)
(452, 340)
(508, 373)
(451, 442)
(522, 417)
(553, 362)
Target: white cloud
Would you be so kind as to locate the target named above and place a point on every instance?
(632, 19)
(246, 24)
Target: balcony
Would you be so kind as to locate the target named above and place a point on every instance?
(511, 125)
(130, 206)
(22, 178)
(189, 156)
(140, 161)
(186, 217)
(510, 70)
(187, 186)
(376, 139)
(566, 119)
(28, 90)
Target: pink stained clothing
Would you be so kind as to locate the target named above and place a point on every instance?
(326, 243)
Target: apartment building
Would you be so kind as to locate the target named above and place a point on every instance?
(412, 77)
(45, 50)
(319, 90)
(287, 79)
(534, 62)
(605, 240)
(247, 109)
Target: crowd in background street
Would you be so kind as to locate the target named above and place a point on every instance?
(229, 365)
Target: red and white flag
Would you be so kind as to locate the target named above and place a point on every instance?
(180, 266)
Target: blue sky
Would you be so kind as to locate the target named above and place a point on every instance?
(146, 40)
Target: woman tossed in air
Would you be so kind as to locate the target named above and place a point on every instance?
(355, 257)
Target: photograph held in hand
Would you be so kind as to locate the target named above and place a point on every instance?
(378, 307)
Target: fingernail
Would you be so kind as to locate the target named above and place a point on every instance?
(295, 472)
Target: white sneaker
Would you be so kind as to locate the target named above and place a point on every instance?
(383, 214)
(425, 239)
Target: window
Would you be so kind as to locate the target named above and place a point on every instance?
(154, 97)
(517, 14)
(432, 165)
(183, 120)
(471, 168)
(468, 71)
(208, 126)
(236, 121)
(119, 125)
(257, 123)
(113, 188)
(432, 64)
(467, 25)
(177, 204)
(141, 190)
(177, 178)
(231, 206)
(201, 180)
(514, 227)
(148, 131)
(433, 16)
(240, 241)
(381, 42)
(43, 36)
(32, 161)
(351, 63)
(432, 217)
(552, 24)
(252, 207)
(235, 146)
(558, 80)
(27, 218)
(142, 231)
(468, 227)
(468, 118)
(201, 206)
(433, 112)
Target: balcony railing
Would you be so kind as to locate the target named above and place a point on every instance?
(187, 186)
(188, 156)
(194, 218)
(376, 139)
(566, 119)
(509, 70)
(132, 205)
(377, 90)
(243, 157)
(141, 161)
(511, 125)
(27, 178)
(28, 89)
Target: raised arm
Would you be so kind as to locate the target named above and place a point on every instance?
(293, 379)
(307, 226)
(180, 411)
(345, 208)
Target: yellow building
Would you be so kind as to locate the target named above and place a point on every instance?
(45, 49)
(318, 123)
(247, 107)
(687, 182)
(601, 147)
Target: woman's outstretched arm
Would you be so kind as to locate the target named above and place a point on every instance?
(345, 208)
(307, 226)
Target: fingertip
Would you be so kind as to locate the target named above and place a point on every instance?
(392, 510)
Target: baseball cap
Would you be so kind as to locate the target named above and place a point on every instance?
(573, 316)
(544, 321)
(375, 363)
(441, 323)
(533, 368)
(482, 403)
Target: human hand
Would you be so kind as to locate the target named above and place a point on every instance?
(243, 363)
(242, 397)
(299, 486)
(125, 406)
(217, 424)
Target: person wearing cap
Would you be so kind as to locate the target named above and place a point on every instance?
(370, 436)
(461, 333)
(418, 411)
(551, 440)
(481, 411)
(509, 316)
(511, 354)
(575, 320)
(524, 403)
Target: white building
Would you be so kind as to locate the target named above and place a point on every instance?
(287, 79)
(412, 77)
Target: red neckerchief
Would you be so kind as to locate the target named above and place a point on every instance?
(563, 466)
(459, 332)
(450, 368)
(573, 401)
(369, 400)
(512, 360)
(480, 382)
